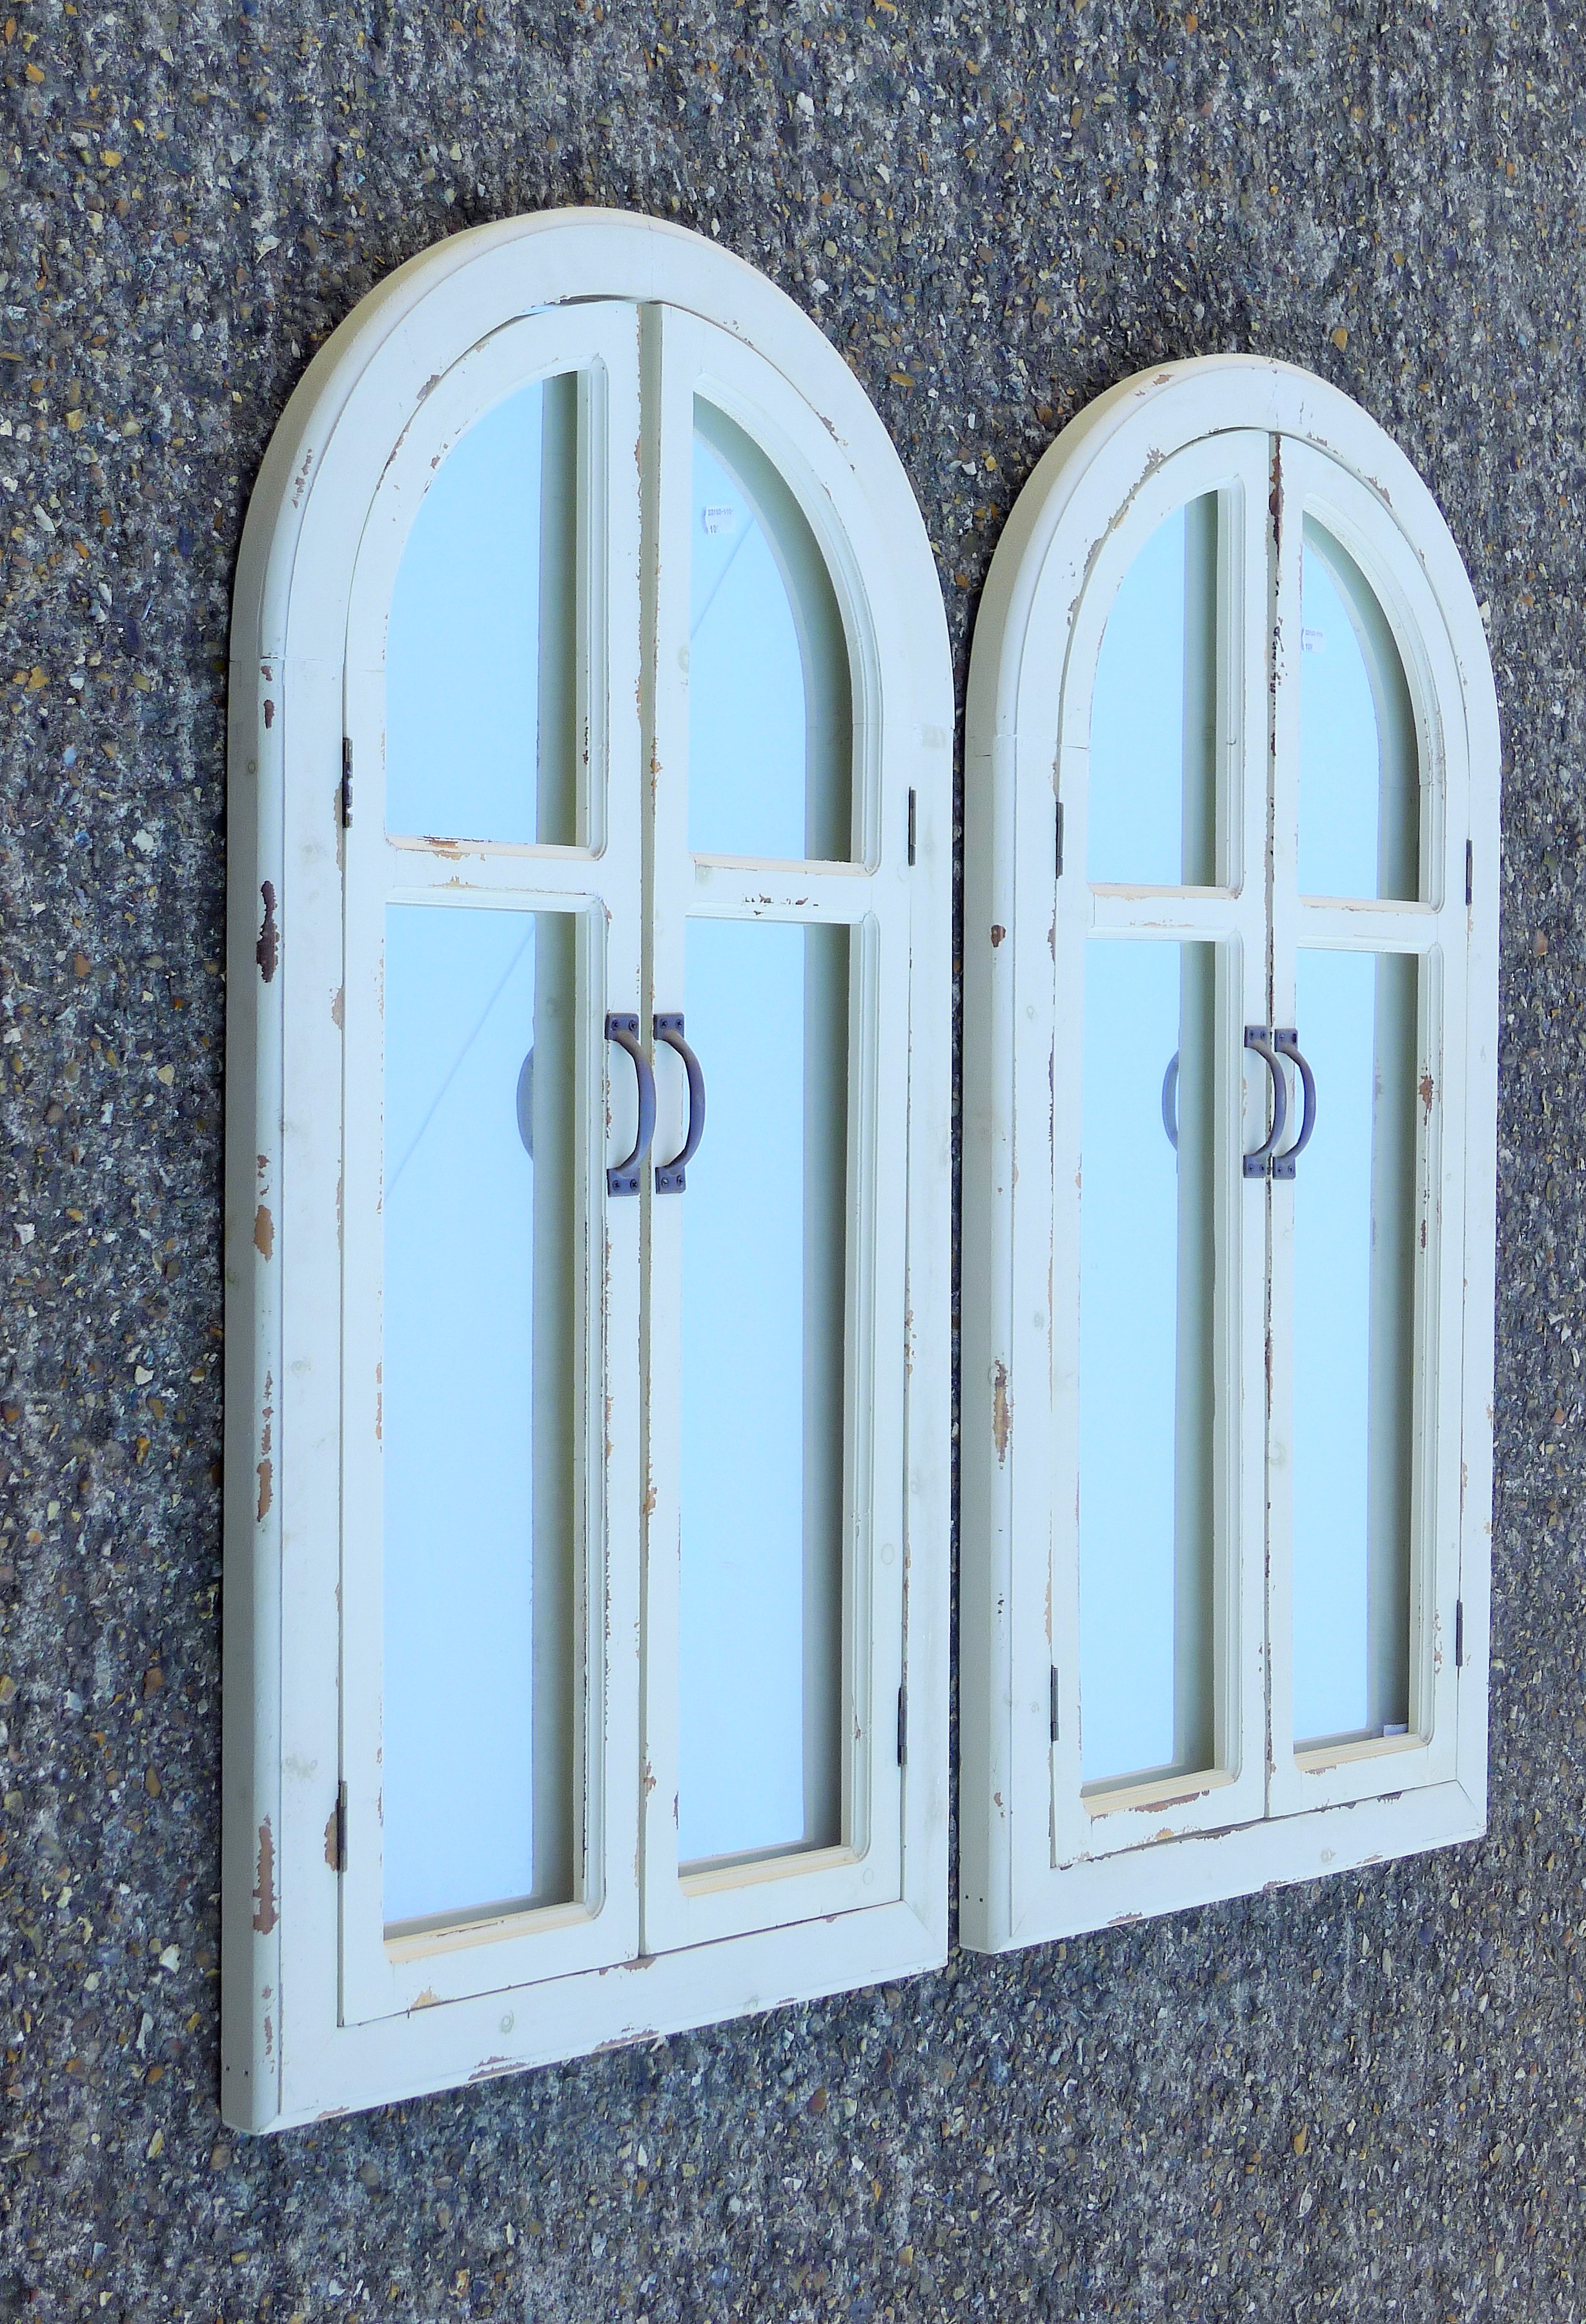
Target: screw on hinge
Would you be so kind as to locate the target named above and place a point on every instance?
(1053, 1703)
(1470, 868)
(347, 780)
(1460, 1634)
(1060, 839)
(902, 1724)
(911, 827)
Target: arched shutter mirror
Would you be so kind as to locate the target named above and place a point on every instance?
(587, 1656)
(1230, 1054)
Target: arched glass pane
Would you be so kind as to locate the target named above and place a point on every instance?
(479, 1410)
(770, 711)
(481, 644)
(1359, 807)
(1153, 757)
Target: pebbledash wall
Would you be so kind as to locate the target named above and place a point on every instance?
(1361, 2099)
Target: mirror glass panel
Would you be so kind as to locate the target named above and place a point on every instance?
(764, 1264)
(481, 650)
(1146, 1346)
(1354, 1291)
(1152, 792)
(1359, 805)
(481, 1386)
(770, 713)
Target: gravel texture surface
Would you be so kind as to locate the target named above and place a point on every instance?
(1361, 2099)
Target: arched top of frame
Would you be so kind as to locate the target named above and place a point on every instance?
(325, 461)
(1088, 478)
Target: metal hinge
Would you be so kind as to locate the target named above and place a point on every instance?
(1460, 1634)
(1469, 870)
(1060, 839)
(1053, 1703)
(902, 1725)
(341, 1828)
(911, 827)
(347, 780)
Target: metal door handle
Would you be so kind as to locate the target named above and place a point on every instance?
(1170, 1101)
(526, 1104)
(1256, 1037)
(671, 1177)
(1285, 1040)
(623, 1177)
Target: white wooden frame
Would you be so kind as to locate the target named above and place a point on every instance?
(1432, 930)
(1030, 1869)
(687, 358)
(1231, 917)
(309, 2029)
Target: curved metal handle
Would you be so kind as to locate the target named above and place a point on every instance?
(1256, 1037)
(623, 1177)
(671, 1177)
(1170, 1101)
(1285, 1040)
(526, 1104)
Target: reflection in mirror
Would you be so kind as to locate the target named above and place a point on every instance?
(1354, 1289)
(770, 711)
(764, 1259)
(481, 648)
(481, 1372)
(1148, 1407)
(1359, 810)
(1152, 795)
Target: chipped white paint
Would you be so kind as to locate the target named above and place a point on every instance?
(321, 2013)
(1039, 1860)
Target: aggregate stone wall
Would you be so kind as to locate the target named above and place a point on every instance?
(1359, 2099)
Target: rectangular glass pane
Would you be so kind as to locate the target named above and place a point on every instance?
(771, 710)
(1146, 1339)
(1152, 790)
(1354, 1246)
(1360, 819)
(481, 646)
(480, 1409)
(764, 1262)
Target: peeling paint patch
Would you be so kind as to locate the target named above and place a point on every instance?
(266, 1466)
(1001, 1411)
(269, 714)
(263, 1232)
(267, 951)
(265, 1913)
(998, 932)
